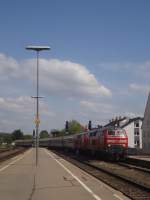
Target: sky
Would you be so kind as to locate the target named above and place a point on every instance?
(98, 66)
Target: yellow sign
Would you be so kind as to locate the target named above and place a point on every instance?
(37, 121)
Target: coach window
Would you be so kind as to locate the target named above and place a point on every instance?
(93, 133)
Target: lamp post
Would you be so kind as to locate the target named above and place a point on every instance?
(37, 120)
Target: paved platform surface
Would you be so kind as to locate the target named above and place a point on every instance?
(141, 157)
(53, 178)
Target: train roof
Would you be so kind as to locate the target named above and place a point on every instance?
(25, 140)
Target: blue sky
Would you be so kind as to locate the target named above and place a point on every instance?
(98, 66)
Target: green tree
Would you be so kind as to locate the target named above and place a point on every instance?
(5, 138)
(27, 136)
(44, 134)
(8, 139)
(17, 134)
(74, 127)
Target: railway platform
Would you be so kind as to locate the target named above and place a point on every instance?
(141, 157)
(141, 160)
(53, 178)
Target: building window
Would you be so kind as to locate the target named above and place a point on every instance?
(136, 143)
(136, 133)
(136, 124)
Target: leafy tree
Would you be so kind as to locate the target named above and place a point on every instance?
(74, 127)
(8, 139)
(27, 136)
(17, 134)
(62, 132)
(5, 138)
(44, 134)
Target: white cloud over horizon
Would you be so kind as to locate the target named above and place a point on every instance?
(21, 104)
(96, 107)
(56, 76)
(66, 79)
(19, 112)
(71, 90)
(140, 88)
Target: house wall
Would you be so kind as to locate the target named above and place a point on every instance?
(134, 134)
(130, 133)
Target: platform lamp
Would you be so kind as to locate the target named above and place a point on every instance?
(37, 120)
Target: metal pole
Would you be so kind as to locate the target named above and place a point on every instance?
(37, 120)
(37, 110)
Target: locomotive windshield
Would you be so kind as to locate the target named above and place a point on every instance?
(116, 132)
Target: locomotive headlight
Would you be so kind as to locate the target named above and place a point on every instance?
(109, 145)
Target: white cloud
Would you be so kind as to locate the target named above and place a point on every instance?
(19, 104)
(143, 70)
(8, 67)
(56, 77)
(24, 105)
(68, 78)
(64, 78)
(96, 107)
(127, 70)
(139, 88)
(20, 111)
(78, 90)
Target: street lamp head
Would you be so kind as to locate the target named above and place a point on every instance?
(37, 48)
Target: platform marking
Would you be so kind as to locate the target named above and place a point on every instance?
(5, 167)
(118, 197)
(75, 177)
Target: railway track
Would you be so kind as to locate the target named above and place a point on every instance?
(130, 166)
(137, 162)
(132, 182)
(4, 149)
(9, 153)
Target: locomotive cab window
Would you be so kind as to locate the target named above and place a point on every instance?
(111, 132)
(116, 132)
(120, 132)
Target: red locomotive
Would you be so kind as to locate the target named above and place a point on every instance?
(108, 141)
